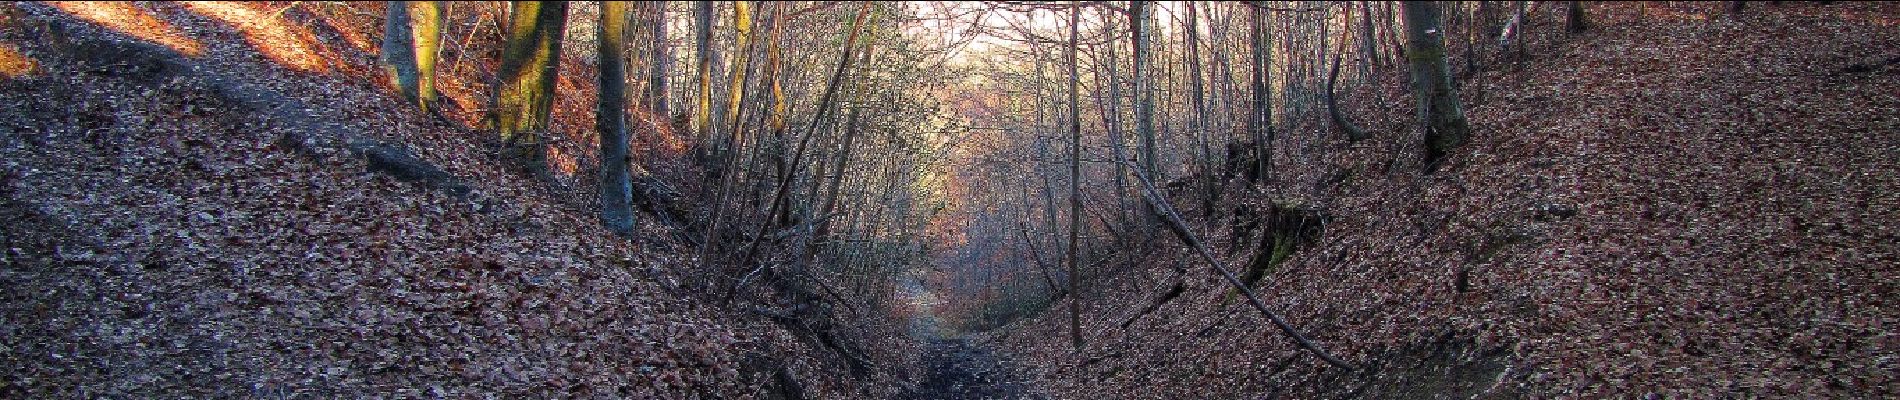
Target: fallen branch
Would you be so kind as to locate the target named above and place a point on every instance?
(1180, 286)
(1166, 212)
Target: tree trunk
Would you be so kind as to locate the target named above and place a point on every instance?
(841, 162)
(1144, 90)
(741, 58)
(1173, 220)
(427, 20)
(616, 188)
(703, 57)
(529, 67)
(1075, 179)
(1367, 43)
(1574, 20)
(780, 195)
(1262, 121)
(1392, 31)
(1198, 125)
(775, 68)
(399, 50)
(1112, 118)
(1353, 132)
(1438, 108)
(657, 61)
(1473, 27)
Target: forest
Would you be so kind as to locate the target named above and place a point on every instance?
(949, 199)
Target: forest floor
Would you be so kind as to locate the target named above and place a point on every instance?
(959, 368)
(1677, 202)
(1670, 204)
(193, 207)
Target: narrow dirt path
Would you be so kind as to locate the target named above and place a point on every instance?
(958, 369)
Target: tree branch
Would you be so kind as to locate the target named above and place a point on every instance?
(1173, 219)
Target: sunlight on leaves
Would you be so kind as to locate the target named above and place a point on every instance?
(125, 18)
(283, 42)
(13, 64)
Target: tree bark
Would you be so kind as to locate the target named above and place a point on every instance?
(1112, 119)
(1574, 20)
(824, 104)
(1198, 125)
(1075, 179)
(1353, 132)
(1144, 89)
(610, 119)
(703, 57)
(402, 50)
(1262, 121)
(427, 20)
(658, 61)
(1438, 107)
(741, 59)
(1367, 43)
(1513, 29)
(529, 67)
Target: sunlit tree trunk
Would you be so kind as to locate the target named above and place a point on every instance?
(702, 42)
(616, 188)
(742, 56)
(1438, 108)
(725, 150)
(825, 101)
(529, 67)
(411, 38)
(427, 19)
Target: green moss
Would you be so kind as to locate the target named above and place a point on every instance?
(1279, 250)
(1282, 248)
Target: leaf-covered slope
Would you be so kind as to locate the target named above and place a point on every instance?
(165, 238)
(1679, 203)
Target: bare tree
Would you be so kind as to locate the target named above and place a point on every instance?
(1261, 125)
(658, 59)
(1574, 20)
(1144, 87)
(1075, 179)
(703, 60)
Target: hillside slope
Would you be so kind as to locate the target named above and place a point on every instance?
(186, 215)
(1672, 203)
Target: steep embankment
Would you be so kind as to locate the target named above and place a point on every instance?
(1675, 203)
(188, 214)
